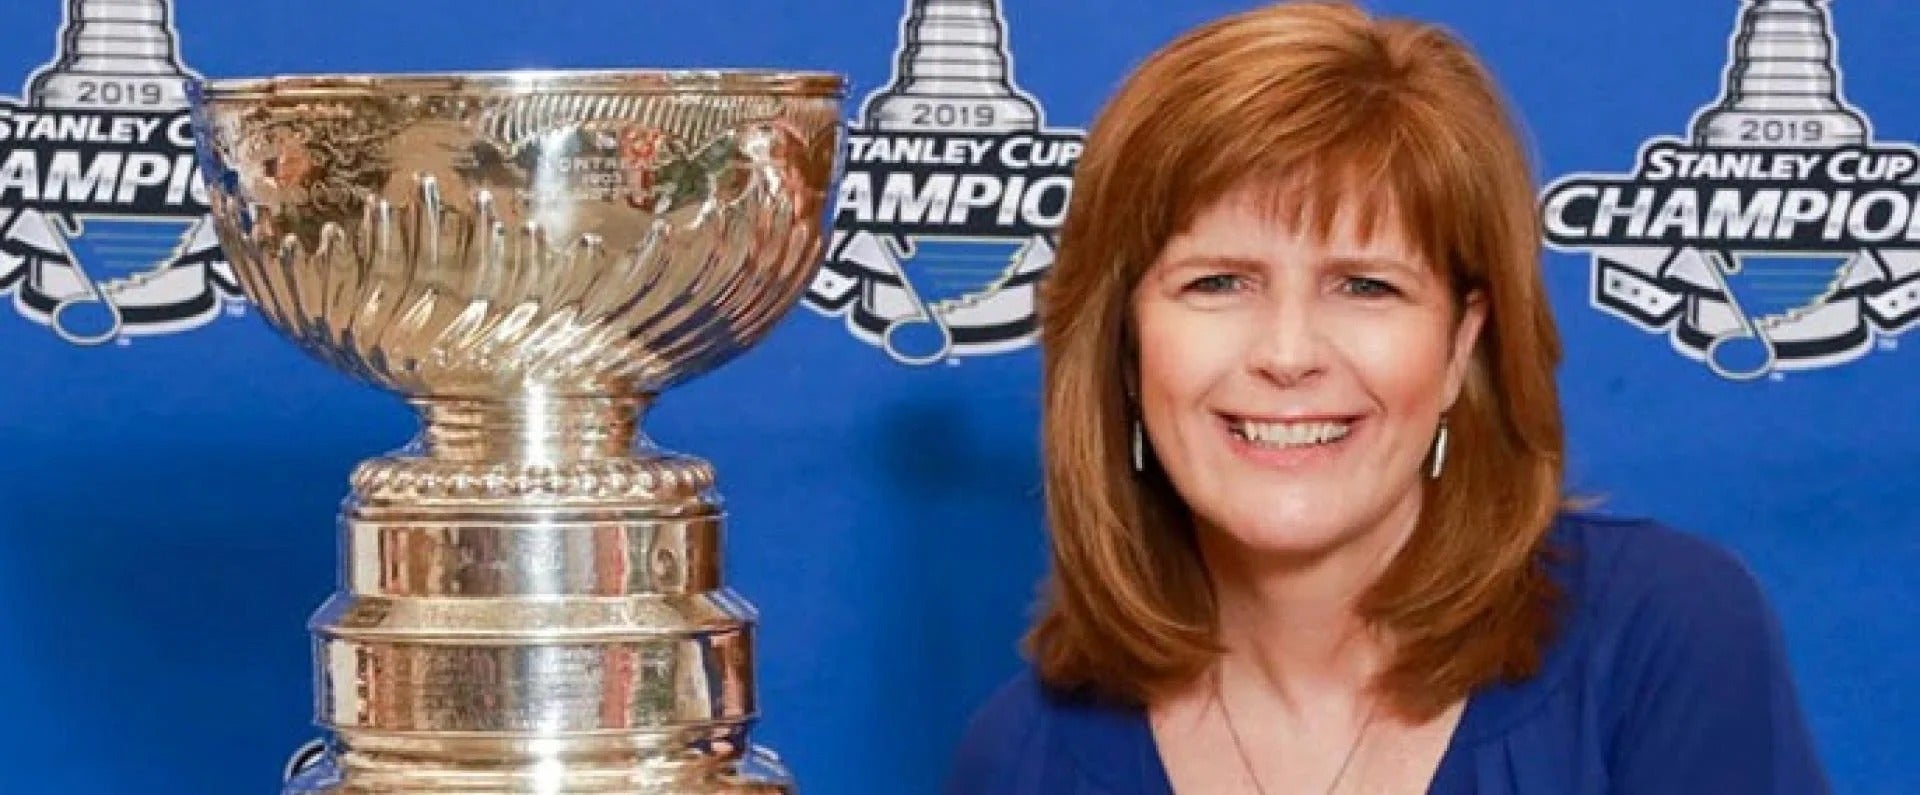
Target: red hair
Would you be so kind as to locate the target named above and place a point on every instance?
(1316, 104)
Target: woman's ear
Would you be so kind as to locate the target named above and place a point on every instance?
(1466, 335)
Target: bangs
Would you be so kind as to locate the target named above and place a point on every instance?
(1307, 159)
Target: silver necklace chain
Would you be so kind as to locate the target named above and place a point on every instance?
(1246, 762)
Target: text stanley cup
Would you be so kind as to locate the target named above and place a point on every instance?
(530, 596)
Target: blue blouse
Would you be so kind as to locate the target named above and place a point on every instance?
(1667, 675)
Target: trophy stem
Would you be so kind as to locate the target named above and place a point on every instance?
(531, 602)
(535, 429)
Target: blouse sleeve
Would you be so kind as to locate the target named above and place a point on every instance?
(1709, 699)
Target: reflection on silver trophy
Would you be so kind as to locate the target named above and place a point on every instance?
(530, 597)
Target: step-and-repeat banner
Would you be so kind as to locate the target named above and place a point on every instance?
(1733, 286)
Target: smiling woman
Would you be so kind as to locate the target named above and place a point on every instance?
(1304, 465)
(1290, 383)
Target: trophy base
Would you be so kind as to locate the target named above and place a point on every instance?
(759, 773)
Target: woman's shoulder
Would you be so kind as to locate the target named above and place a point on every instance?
(1030, 737)
(1620, 570)
(1635, 594)
(1004, 740)
(1678, 640)
(1007, 721)
(1649, 595)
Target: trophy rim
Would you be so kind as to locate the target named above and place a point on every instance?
(623, 81)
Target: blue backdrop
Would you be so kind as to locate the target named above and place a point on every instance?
(167, 495)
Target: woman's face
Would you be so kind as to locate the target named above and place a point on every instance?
(1291, 387)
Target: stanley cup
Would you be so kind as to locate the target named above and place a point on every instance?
(530, 596)
(113, 54)
(953, 72)
(1782, 84)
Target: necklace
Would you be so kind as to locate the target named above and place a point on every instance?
(1246, 762)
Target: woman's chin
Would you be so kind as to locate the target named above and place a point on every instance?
(1281, 539)
(1282, 535)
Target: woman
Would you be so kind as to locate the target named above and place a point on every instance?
(1304, 466)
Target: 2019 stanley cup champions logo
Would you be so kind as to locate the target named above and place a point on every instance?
(953, 190)
(103, 217)
(1778, 235)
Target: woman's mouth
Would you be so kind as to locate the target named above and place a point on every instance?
(1285, 434)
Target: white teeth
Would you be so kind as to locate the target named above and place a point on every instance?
(1290, 434)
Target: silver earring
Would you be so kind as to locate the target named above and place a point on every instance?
(1139, 448)
(1439, 451)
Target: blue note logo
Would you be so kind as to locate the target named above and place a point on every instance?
(103, 218)
(952, 193)
(1779, 235)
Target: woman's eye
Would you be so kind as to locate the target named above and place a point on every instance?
(1367, 288)
(1215, 283)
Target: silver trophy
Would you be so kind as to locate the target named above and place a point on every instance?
(530, 597)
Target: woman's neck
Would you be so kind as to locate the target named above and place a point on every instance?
(1291, 621)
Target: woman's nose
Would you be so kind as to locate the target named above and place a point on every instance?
(1287, 344)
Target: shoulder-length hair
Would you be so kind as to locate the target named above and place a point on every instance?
(1319, 106)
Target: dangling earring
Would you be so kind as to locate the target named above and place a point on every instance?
(1139, 448)
(1439, 451)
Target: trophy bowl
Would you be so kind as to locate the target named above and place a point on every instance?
(530, 595)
